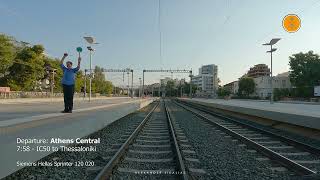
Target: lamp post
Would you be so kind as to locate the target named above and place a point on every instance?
(140, 87)
(53, 71)
(90, 77)
(190, 93)
(131, 83)
(128, 89)
(85, 83)
(91, 41)
(180, 89)
(271, 43)
(143, 82)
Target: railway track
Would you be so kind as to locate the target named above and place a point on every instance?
(300, 158)
(157, 149)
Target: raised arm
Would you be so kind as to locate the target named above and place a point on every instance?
(64, 56)
(79, 62)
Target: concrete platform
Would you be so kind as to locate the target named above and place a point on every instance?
(306, 115)
(81, 123)
(35, 107)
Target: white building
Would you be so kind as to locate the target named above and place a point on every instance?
(152, 88)
(263, 84)
(232, 87)
(163, 83)
(176, 81)
(207, 80)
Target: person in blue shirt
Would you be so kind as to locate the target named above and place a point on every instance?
(68, 82)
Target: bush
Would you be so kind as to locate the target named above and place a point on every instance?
(306, 92)
(222, 92)
(246, 97)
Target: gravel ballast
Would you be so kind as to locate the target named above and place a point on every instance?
(221, 155)
(295, 136)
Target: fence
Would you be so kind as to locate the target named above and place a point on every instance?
(21, 94)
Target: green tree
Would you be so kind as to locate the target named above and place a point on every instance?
(246, 86)
(54, 64)
(107, 87)
(304, 72)
(79, 83)
(186, 88)
(7, 54)
(99, 83)
(280, 93)
(27, 69)
(223, 92)
(170, 89)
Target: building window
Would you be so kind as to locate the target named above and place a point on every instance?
(283, 83)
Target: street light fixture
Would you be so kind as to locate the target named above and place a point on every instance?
(271, 43)
(91, 40)
(90, 76)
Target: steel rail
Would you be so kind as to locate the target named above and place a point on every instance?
(181, 165)
(297, 168)
(106, 172)
(299, 145)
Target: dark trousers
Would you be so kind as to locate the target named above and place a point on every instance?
(68, 91)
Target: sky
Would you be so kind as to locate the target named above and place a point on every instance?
(228, 33)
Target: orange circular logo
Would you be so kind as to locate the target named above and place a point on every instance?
(291, 23)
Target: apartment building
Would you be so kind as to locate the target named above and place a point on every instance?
(206, 80)
(258, 70)
(263, 84)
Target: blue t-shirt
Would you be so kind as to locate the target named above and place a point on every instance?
(68, 75)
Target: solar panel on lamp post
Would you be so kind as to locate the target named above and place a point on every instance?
(271, 43)
(91, 41)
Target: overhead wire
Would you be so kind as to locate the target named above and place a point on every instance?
(160, 32)
(228, 17)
